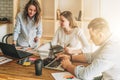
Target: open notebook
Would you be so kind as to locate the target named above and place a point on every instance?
(64, 76)
(4, 59)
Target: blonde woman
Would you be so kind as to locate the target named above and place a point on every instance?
(70, 36)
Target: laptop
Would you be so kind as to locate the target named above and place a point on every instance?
(54, 64)
(47, 54)
(10, 50)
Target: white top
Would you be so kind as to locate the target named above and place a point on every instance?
(75, 40)
(105, 60)
(25, 33)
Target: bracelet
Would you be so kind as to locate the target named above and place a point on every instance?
(70, 57)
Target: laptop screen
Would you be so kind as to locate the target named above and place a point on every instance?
(9, 50)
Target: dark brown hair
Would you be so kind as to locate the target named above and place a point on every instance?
(68, 15)
(38, 11)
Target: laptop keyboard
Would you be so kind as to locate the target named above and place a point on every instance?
(47, 61)
(55, 63)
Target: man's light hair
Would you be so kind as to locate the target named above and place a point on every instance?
(98, 24)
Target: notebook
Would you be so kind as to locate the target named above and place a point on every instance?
(64, 76)
(10, 50)
(4, 60)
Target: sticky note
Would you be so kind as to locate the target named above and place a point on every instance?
(26, 63)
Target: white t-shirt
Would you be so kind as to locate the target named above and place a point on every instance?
(75, 40)
(105, 60)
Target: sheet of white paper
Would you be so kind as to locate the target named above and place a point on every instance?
(44, 47)
(43, 55)
(44, 50)
(63, 76)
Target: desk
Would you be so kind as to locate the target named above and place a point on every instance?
(14, 71)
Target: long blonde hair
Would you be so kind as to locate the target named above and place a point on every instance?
(68, 15)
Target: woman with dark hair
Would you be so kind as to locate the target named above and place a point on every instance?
(28, 28)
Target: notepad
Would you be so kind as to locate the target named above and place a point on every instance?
(4, 60)
(64, 76)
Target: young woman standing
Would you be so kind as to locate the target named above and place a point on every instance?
(28, 28)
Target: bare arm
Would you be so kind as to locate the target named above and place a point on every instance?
(67, 65)
(71, 51)
(80, 58)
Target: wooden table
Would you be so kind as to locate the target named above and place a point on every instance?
(14, 71)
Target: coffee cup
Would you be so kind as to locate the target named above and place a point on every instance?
(38, 67)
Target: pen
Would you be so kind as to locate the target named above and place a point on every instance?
(68, 45)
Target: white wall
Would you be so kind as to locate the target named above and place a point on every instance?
(22, 4)
(3, 30)
(72, 5)
(110, 9)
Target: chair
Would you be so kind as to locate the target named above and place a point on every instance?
(6, 37)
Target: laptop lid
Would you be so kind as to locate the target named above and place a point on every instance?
(10, 50)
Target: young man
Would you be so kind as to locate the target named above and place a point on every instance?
(105, 60)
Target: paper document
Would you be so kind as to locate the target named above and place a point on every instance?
(64, 76)
(4, 60)
(43, 54)
(44, 47)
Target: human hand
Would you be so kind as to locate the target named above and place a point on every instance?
(62, 56)
(36, 39)
(68, 50)
(14, 42)
(65, 63)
